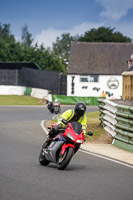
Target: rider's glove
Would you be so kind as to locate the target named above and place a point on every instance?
(59, 126)
(55, 129)
(52, 132)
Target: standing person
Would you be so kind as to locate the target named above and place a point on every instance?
(77, 114)
(130, 63)
(103, 94)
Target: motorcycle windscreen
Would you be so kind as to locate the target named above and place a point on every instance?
(77, 127)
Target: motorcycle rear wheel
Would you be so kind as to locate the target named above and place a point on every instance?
(42, 159)
(64, 160)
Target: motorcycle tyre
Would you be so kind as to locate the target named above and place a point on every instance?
(67, 159)
(43, 160)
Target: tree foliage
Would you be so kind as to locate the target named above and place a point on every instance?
(103, 34)
(61, 47)
(26, 36)
(13, 51)
(55, 59)
(5, 33)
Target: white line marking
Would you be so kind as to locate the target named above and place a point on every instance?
(106, 158)
(43, 127)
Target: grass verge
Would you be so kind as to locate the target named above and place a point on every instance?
(20, 100)
(93, 125)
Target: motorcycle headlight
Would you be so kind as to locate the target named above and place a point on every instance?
(69, 135)
(80, 141)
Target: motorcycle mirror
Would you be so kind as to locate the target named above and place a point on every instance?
(64, 121)
(90, 133)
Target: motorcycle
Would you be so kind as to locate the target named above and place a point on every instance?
(56, 107)
(64, 145)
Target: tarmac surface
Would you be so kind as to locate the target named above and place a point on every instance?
(108, 151)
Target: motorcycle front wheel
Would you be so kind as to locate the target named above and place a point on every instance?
(64, 159)
(42, 159)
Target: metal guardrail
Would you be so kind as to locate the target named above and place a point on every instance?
(117, 120)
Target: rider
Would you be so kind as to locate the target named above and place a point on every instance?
(50, 106)
(56, 101)
(76, 114)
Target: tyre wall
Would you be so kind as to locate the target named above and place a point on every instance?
(117, 120)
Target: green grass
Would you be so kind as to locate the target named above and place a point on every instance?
(93, 125)
(20, 100)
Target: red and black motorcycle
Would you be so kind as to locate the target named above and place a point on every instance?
(63, 147)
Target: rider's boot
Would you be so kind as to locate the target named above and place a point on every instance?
(51, 134)
(46, 143)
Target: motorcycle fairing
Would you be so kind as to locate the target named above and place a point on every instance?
(65, 146)
(51, 151)
(59, 137)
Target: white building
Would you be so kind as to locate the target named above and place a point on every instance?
(97, 67)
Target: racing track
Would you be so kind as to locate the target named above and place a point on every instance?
(22, 177)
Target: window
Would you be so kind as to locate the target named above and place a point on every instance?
(83, 78)
(89, 78)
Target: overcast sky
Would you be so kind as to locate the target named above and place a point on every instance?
(48, 19)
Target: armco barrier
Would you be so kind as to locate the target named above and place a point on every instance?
(19, 90)
(12, 90)
(117, 120)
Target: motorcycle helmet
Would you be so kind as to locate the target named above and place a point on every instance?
(80, 109)
(56, 100)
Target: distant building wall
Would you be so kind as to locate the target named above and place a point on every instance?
(77, 85)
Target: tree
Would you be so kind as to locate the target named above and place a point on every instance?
(26, 36)
(103, 34)
(61, 47)
(5, 33)
(6, 39)
(44, 58)
(11, 50)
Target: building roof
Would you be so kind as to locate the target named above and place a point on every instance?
(18, 65)
(99, 58)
